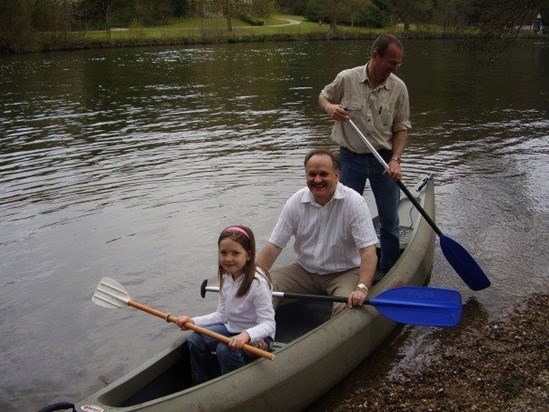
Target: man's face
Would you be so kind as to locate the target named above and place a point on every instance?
(322, 179)
(389, 62)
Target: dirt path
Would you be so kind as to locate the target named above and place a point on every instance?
(289, 22)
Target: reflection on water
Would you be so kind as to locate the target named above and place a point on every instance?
(128, 163)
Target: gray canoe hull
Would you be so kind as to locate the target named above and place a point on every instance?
(304, 369)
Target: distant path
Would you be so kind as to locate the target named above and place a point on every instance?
(289, 22)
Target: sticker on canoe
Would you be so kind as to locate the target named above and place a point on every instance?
(91, 408)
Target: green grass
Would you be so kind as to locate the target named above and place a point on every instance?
(197, 30)
(214, 30)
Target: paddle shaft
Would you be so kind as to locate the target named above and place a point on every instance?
(203, 331)
(462, 262)
(301, 296)
(327, 298)
(398, 182)
(409, 304)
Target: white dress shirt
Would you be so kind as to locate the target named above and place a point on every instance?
(327, 238)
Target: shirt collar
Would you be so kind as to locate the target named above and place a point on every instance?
(385, 83)
(309, 198)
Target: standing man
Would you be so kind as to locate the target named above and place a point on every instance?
(377, 101)
(334, 237)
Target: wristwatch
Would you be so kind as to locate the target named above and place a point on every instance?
(397, 159)
(362, 286)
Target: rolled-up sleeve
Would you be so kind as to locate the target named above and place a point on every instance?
(402, 112)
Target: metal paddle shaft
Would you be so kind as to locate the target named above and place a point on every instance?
(462, 262)
(415, 305)
(111, 294)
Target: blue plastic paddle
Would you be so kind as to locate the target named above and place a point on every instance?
(415, 305)
(462, 262)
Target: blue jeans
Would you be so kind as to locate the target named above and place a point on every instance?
(206, 365)
(355, 169)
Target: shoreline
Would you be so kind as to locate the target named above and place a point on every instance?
(121, 37)
(494, 366)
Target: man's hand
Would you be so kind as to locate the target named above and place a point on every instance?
(394, 170)
(337, 112)
(357, 298)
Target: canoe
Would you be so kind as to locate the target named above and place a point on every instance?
(313, 351)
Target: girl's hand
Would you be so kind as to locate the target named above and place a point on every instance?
(180, 321)
(238, 341)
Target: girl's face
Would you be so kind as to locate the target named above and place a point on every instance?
(232, 256)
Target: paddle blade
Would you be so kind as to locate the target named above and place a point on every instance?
(418, 305)
(110, 294)
(464, 264)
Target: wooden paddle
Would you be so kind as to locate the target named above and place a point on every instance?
(111, 294)
(462, 262)
(415, 305)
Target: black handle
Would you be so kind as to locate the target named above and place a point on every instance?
(59, 406)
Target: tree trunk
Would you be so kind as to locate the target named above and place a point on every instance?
(228, 14)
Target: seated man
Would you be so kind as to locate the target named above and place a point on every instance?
(334, 237)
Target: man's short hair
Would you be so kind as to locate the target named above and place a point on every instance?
(333, 155)
(384, 41)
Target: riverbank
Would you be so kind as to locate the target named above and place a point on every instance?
(495, 366)
(214, 31)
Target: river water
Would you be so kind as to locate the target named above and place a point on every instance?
(127, 163)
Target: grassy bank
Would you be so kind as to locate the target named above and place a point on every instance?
(214, 30)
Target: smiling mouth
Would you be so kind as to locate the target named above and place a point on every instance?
(317, 184)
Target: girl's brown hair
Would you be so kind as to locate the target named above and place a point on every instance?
(244, 236)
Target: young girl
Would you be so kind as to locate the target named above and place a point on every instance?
(245, 310)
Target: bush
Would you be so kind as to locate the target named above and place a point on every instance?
(251, 20)
(372, 16)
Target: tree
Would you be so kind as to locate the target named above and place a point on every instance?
(98, 12)
(329, 10)
(411, 11)
(498, 24)
(16, 32)
(232, 9)
(355, 9)
(450, 13)
(262, 8)
(55, 16)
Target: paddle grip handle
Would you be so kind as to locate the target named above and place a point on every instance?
(203, 331)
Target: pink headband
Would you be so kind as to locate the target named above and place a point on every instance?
(236, 229)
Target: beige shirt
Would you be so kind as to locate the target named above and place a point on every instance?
(378, 113)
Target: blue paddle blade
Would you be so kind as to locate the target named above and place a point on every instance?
(419, 305)
(464, 264)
